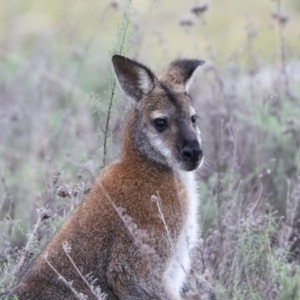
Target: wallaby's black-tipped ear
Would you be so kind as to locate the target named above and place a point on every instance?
(135, 79)
(179, 74)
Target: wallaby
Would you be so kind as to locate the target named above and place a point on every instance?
(153, 183)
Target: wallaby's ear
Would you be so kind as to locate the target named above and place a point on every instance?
(179, 74)
(135, 79)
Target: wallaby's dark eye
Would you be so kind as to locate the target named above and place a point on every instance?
(160, 123)
(193, 119)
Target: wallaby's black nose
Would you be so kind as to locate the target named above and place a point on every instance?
(192, 152)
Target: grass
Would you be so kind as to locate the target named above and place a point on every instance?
(55, 94)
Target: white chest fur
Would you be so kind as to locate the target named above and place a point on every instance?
(180, 263)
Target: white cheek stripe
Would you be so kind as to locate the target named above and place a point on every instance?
(160, 146)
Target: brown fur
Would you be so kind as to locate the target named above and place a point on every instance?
(101, 244)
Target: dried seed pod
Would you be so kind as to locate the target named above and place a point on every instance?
(280, 17)
(114, 4)
(187, 21)
(199, 9)
(61, 191)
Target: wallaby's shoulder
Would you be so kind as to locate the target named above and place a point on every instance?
(131, 184)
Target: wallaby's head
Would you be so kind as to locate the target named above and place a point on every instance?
(164, 127)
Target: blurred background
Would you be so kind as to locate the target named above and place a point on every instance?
(61, 113)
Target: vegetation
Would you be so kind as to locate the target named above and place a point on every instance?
(61, 122)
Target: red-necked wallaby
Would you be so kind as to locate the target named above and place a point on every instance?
(161, 149)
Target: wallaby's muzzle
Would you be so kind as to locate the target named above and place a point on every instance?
(191, 156)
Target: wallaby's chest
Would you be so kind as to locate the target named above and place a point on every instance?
(179, 264)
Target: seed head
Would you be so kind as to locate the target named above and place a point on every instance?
(282, 19)
(114, 4)
(199, 9)
(187, 21)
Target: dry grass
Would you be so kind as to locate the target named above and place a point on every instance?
(55, 96)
